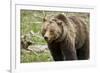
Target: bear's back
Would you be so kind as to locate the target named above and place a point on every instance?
(81, 30)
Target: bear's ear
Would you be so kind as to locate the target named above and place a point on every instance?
(61, 17)
(59, 22)
(44, 19)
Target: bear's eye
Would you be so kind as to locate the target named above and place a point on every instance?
(51, 31)
(51, 22)
(44, 30)
(54, 20)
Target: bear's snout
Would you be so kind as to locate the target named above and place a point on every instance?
(45, 37)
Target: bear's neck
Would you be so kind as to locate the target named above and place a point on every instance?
(62, 37)
(60, 40)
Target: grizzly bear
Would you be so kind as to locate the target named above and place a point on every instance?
(67, 37)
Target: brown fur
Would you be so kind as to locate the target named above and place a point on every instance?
(69, 39)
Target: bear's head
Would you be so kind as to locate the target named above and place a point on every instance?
(53, 27)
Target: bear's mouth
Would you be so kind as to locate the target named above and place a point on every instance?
(49, 40)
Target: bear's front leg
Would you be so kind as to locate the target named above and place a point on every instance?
(56, 53)
(68, 52)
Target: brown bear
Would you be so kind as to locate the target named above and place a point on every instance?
(67, 37)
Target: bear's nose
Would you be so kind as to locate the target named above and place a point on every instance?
(45, 37)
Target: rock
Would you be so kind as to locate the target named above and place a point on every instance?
(38, 48)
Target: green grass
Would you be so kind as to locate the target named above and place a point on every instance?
(39, 41)
(27, 57)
